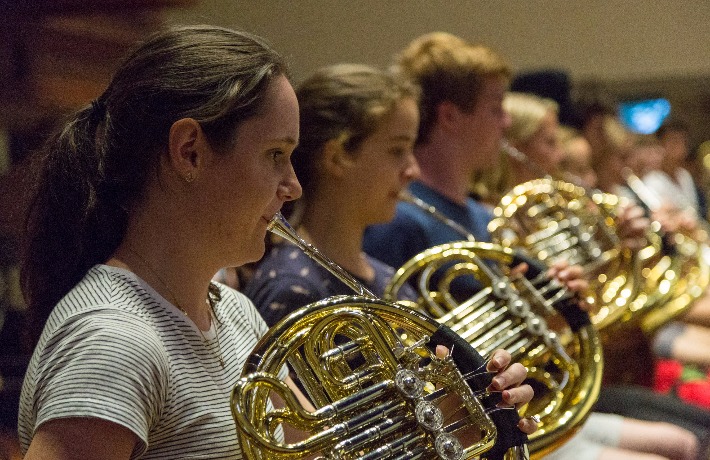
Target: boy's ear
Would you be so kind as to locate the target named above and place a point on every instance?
(186, 148)
(448, 115)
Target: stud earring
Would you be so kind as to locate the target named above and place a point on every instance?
(189, 178)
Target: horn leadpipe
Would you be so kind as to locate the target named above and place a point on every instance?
(280, 226)
(404, 195)
(649, 199)
(516, 154)
(645, 195)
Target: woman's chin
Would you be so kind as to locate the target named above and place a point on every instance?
(384, 218)
(254, 253)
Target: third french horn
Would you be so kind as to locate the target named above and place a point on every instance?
(645, 288)
(687, 253)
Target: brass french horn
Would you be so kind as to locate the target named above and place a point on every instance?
(533, 317)
(556, 219)
(686, 254)
(378, 389)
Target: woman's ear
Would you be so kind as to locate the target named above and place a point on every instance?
(186, 148)
(336, 160)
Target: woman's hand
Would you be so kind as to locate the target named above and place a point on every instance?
(508, 381)
(572, 276)
(673, 220)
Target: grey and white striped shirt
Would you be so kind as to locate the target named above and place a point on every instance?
(114, 349)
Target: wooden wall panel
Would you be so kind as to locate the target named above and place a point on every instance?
(58, 55)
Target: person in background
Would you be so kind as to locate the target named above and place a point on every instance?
(646, 154)
(462, 125)
(535, 133)
(682, 346)
(172, 174)
(684, 341)
(594, 112)
(576, 163)
(672, 182)
(358, 126)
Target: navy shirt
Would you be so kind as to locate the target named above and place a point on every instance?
(287, 279)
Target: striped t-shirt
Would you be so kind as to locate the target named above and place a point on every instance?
(114, 349)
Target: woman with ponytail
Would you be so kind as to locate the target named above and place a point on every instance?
(170, 175)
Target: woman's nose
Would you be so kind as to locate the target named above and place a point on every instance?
(411, 170)
(290, 189)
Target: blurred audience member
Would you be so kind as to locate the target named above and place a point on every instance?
(672, 182)
(576, 163)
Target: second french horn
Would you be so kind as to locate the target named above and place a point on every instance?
(468, 286)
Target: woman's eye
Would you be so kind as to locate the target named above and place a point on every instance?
(275, 154)
(399, 151)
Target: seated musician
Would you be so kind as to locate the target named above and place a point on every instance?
(173, 173)
(682, 344)
(170, 175)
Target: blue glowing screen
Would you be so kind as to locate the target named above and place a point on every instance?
(644, 116)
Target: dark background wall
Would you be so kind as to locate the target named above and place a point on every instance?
(610, 39)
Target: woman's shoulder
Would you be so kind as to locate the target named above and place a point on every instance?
(106, 292)
(285, 280)
(109, 306)
(478, 208)
(234, 304)
(382, 270)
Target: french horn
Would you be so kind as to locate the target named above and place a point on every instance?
(687, 253)
(555, 219)
(534, 317)
(377, 387)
